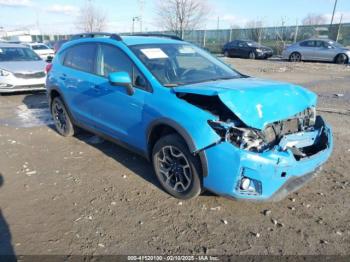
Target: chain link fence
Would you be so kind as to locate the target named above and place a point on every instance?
(274, 37)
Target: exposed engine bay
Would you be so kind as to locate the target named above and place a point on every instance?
(230, 128)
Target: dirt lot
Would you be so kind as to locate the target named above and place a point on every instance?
(85, 196)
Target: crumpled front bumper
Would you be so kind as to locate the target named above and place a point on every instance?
(277, 172)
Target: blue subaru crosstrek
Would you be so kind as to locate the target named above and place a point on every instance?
(202, 124)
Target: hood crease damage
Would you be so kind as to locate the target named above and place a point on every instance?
(257, 123)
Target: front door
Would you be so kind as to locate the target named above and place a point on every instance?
(116, 113)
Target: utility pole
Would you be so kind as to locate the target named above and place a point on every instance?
(296, 31)
(135, 18)
(141, 4)
(341, 20)
(334, 8)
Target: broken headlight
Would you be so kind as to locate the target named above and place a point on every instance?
(242, 137)
(246, 138)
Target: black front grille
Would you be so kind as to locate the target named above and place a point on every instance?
(30, 75)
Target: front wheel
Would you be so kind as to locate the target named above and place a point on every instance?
(251, 55)
(63, 123)
(177, 170)
(226, 54)
(341, 59)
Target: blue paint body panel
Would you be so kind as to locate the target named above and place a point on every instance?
(95, 103)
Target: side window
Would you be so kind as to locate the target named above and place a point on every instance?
(112, 59)
(308, 44)
(233, 44)
(320, 44)
(81, 57)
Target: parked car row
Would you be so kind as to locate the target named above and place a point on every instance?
(308, 50)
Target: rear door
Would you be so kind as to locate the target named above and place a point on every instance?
(307, 50)
(77, 76)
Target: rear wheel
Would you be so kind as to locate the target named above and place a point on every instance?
(177, 170)
(226, 54)
(251, 55)
(63, 122)
(295, 57)
(341, 59)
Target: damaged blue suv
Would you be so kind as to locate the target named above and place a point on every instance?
(202, 124)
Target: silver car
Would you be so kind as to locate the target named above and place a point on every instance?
(20, 69)
(317, 50)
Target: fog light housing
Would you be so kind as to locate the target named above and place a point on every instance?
(249, 186)
(245, 183)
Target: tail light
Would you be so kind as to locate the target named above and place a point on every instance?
(48, 68)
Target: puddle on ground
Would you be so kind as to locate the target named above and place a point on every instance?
(25, 117)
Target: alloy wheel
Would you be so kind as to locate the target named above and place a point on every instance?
(174, 169)
(341, 59)
(295, 57)
(60, 117)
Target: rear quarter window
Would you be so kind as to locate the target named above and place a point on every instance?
(80, 57)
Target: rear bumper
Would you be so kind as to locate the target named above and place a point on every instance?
(274, 173)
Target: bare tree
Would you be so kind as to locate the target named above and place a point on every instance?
(256, 29)
(181, 15)
(314, 19)
(91, 19)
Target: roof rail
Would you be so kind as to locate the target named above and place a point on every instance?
(175, 37)
(96, 34)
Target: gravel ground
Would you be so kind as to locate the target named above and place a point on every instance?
(85, 196)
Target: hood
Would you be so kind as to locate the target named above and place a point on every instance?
(255, 101)
(23, 66)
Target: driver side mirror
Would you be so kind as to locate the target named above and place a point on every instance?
(121, 79)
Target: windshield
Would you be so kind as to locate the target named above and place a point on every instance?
(335, 44)
(253, 44)
(180, 64)
(39, 47)
(8, 54)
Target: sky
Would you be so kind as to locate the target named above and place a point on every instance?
(61, 16)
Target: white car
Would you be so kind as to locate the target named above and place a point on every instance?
(20, 69)
(45, 52)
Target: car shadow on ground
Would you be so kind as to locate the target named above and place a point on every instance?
(7, 252)
(132, 161)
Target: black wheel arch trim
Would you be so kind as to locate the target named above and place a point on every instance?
(185, 135)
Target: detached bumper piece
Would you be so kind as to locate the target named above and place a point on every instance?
(270, 175)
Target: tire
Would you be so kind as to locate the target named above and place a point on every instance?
(62, 120)
(178, 171)
(341, 59)
(251, 55)
(295, 57)
(226, 54)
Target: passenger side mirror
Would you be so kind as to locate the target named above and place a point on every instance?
(121, 79)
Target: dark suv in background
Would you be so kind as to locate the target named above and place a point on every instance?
(246, 49)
